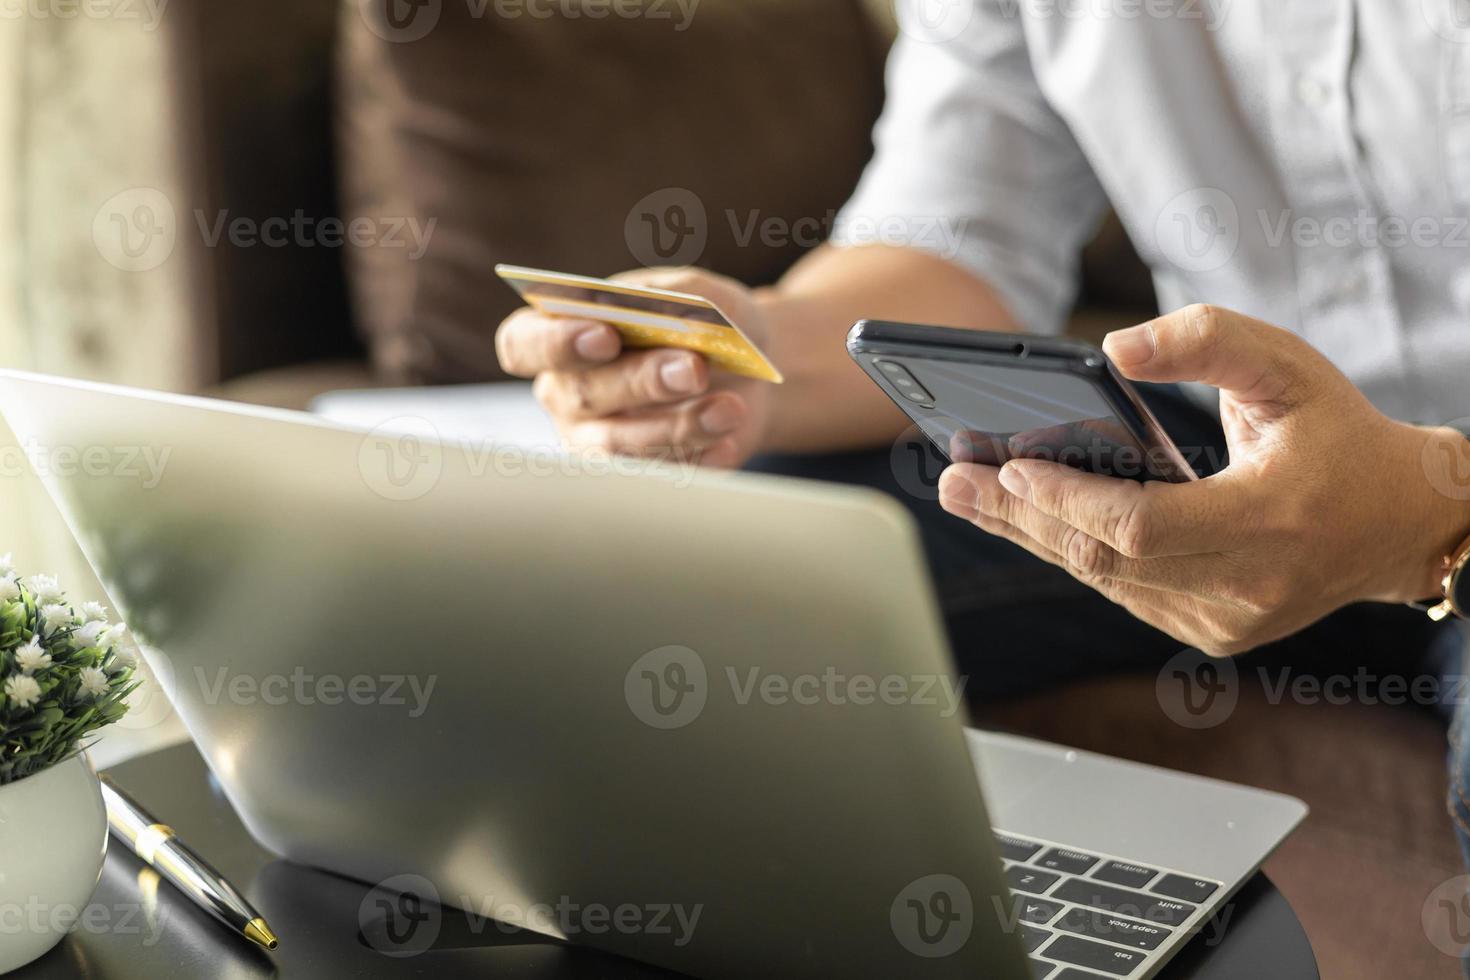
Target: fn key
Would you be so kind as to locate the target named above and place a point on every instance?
(1185, 889)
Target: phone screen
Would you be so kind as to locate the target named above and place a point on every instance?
(984, 413)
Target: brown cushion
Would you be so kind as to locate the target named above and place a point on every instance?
(564, 142)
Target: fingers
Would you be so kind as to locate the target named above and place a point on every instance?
(1085, 556)
(726, 293)
(1159, 607)
(634, 381)
(697, 427)
(528, 343)
(1138, 520)
(1253, 360)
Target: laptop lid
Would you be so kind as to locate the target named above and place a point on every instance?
(703, 720)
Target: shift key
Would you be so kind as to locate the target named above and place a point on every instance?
(1121, 901)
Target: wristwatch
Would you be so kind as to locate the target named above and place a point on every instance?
(1456, 582)
(1456, 586)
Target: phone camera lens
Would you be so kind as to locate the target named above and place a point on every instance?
(903, 382)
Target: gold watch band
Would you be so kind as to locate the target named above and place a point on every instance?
(1454, 568)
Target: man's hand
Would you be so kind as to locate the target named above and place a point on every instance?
(656, 403)
(1325, 501)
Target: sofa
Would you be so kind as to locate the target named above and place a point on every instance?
(533, 142)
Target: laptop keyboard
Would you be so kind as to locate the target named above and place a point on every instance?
(1085, 916)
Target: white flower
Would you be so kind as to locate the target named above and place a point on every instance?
(124, 647)
(7, 567)
(94, 612)
(9, 590)
(88, 635)
(94, 681)
(44, 587)
(56, 618)
(23, 690)
(31, 658)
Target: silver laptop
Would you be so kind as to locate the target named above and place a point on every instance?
(703, 720)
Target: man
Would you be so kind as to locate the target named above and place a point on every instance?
(1304, 169)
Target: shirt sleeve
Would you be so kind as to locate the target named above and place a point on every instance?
(974, 166)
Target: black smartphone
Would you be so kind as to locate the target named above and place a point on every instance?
(987, 397)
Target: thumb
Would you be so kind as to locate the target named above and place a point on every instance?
(1254, 361)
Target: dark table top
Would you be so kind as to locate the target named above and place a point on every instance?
(140, 927)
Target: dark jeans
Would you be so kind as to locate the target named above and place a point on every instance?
(1017, 624)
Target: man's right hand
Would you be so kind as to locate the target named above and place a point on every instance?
(655, 403)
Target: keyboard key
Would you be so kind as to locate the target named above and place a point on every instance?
(1015, 848)
(1071, 862)
(1071, 974)
(1149, 908)
(1041, 969)
(1094, 956)
(1125, 932)
(1032, 938)
(1029, 880)
(1189, 889)
(1127, 875)
(1037, 911)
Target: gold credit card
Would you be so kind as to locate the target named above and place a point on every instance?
(645, 317)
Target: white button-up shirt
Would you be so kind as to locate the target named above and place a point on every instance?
(1306, 162)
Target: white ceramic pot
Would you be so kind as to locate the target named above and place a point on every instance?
(53, 837)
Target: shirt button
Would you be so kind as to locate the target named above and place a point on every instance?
(1349, 288)
(1313, 92)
